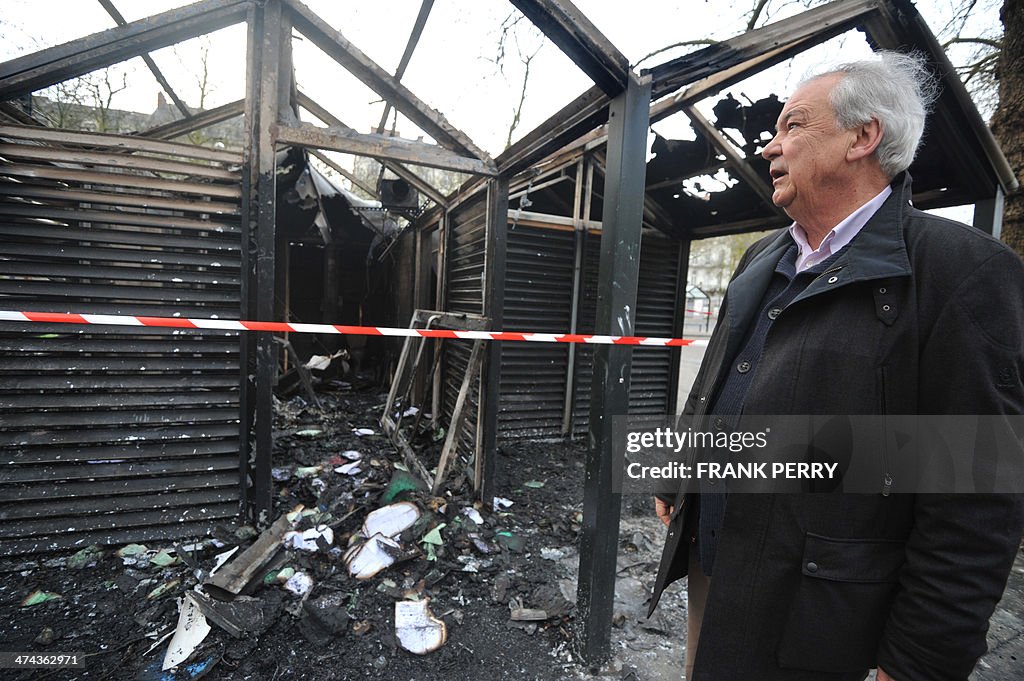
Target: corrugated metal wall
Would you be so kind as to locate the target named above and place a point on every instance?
(538, 297)
(465, 254)
(110, 434)
(651, 387)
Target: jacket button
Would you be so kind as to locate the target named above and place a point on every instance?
(719, 424)
(812, 567)
(774, 312)
(743, 367)
(882, 290)
(833, 280)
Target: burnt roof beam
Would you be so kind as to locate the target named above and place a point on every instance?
(153, 68)
(574, 34)
(334, 44)
(381, 147)
(819, 23)
(195, 122)
(410, 47)
(735, 160)
(56, 64)
(397, 168)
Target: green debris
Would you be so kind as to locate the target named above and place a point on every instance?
(37, 597)
(533, 484)
(132, 550)
(309, 432)
(402, 483)
(512, 542)
(307, 471)
(163, 589)
(438, 435)
(164, 559)
(88, 556)
(434, 536)
(431, 540)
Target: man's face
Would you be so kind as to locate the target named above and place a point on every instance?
(808, 153)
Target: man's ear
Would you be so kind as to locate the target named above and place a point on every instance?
(868, 137)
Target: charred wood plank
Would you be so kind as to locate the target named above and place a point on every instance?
(120, 199)
(117, 142)
(196, 121)
(324, 36)
(225, 191)
(56, 64)
(381, 147)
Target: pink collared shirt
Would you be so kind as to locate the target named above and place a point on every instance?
(840, 235)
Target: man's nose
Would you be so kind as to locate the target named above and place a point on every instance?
(772, 149)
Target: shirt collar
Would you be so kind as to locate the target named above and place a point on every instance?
(840, 236)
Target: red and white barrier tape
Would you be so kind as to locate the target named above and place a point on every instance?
(238, 325)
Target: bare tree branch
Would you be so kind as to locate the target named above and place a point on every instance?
(756, 14)
(994, 44)
(684, 43)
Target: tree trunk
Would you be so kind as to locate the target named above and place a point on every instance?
(1008, 122)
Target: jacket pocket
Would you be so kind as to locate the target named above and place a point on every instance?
(840, 603)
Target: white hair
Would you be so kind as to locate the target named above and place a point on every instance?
(897, 90)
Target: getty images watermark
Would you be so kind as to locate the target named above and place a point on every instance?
(830, 453)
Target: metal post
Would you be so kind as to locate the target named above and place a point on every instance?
(582, 196)
(679, 322)
(609, 396)
(494, 308)
(988, 214)
(258, 259)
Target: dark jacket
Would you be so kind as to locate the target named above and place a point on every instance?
(919, 315)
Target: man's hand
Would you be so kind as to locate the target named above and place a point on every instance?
(882, 676)
(664, 511)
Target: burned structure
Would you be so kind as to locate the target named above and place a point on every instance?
(159, 434)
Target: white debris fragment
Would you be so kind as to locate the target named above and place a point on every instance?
(192, 629)
(473, 515)
(417, 629)
(322, 362)
(390, 520)
(352, 455)
(500, 502)
(349, 469)
(367, 559)
(299, 584)
(552, 554)
(361, 432)
(411, 411)
(307, 539)
(222, 558)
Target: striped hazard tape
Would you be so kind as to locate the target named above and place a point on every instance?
(240, 325)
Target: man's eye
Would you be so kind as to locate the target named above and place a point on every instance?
(790, 126)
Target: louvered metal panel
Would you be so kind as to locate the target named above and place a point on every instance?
(113, 434)
(585, 321)
(651, 377)
(538, 297)
(464, 277)
(651, 389)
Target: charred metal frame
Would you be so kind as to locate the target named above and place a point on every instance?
(619, 96)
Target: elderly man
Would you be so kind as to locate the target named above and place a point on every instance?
(863, 306)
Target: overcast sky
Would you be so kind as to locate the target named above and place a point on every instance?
(453, 68)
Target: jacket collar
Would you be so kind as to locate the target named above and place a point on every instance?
(877, 252)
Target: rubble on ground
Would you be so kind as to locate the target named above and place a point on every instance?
(362, 574)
